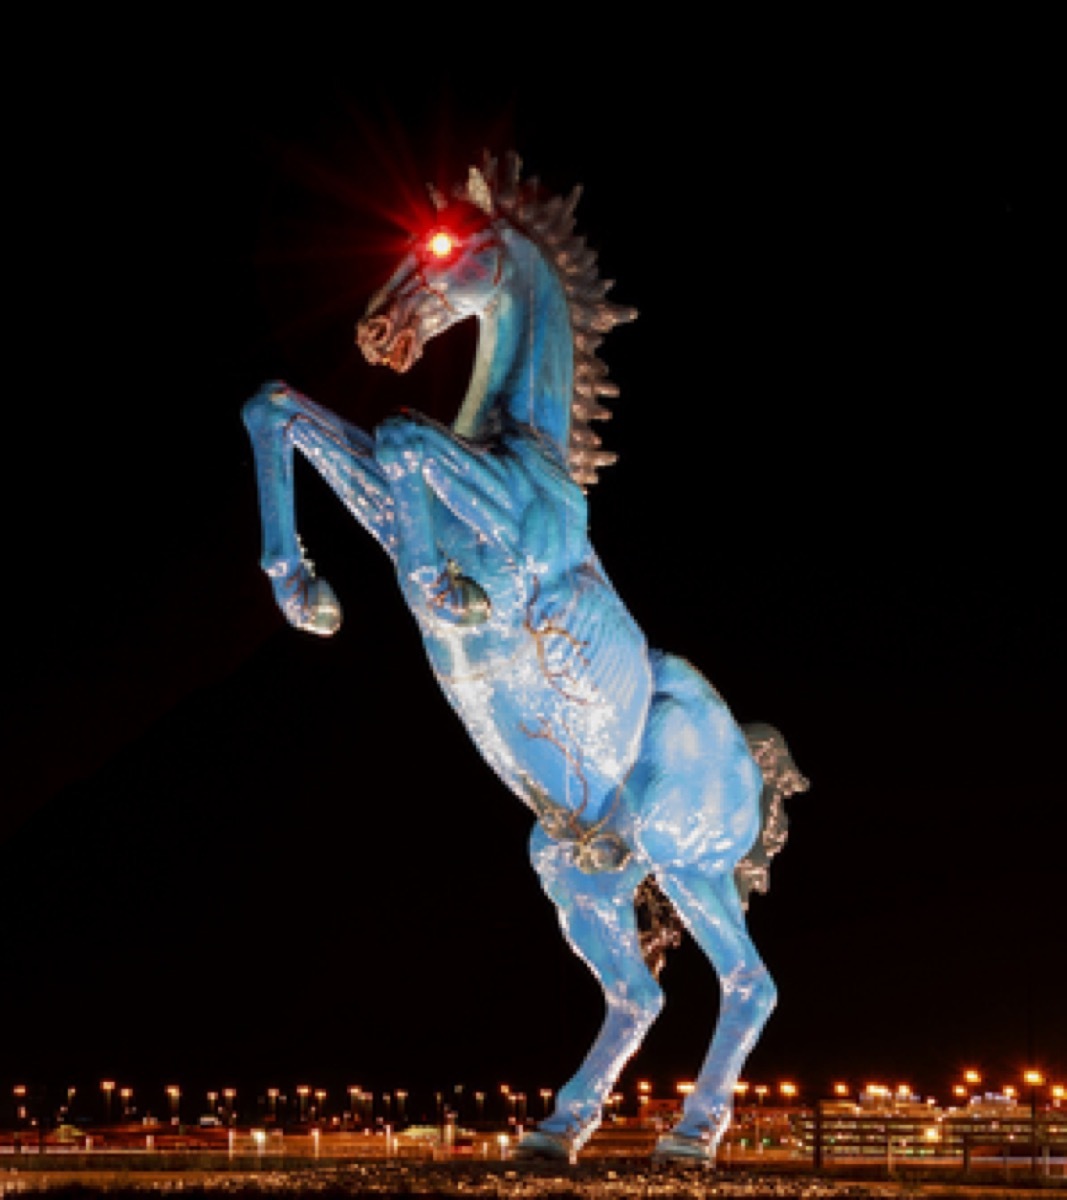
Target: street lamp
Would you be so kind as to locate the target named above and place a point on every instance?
(228, 1094)
(174, 1093)
(107, 1086)
(1033, 1079)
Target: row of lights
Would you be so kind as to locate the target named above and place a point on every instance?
(972, 1079)
(362, 1101)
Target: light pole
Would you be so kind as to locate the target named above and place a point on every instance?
(761, 1090)
(1033, 1079)
(174, 1094)
(107, 1086)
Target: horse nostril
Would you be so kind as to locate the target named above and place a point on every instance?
(374, 331)
(372, 337)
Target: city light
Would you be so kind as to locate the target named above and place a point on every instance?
(107, 1086)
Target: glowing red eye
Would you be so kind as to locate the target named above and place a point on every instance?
(441, 244)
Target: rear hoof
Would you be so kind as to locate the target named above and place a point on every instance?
(552, 1146)
(677, 1147)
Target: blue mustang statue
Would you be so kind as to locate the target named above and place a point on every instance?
(650, 800)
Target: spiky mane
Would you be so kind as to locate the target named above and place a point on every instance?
(549, 222)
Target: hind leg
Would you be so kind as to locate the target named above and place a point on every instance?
(711, 910)
(598, 920)
(696, 810)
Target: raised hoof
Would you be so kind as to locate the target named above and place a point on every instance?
(677, 1147)
(538, 1145)
(318, 611)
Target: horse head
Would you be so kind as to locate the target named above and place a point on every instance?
(500, 251)
(452, 271)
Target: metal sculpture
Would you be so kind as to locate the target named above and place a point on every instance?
(643, 785)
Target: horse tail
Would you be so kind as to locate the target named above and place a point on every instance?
(781, 779)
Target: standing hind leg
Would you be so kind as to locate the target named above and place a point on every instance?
(598, 920)
(695, 800)
(711, 910)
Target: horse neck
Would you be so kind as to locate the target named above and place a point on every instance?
(524, 367)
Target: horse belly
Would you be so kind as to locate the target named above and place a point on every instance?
(564, 714)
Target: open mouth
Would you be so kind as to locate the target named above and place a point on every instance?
(381, 343)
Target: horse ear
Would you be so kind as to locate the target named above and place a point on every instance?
(478, 192)
(437, 199)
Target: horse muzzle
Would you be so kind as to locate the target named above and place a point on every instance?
(383, 342)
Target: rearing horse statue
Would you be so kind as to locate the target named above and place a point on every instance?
(643, 785)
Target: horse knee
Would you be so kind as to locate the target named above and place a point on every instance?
(264, 408)
(638, 998)
(756, 990)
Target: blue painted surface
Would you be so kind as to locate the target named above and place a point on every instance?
(631, 761)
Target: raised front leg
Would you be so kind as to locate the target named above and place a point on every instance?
(598, 919)
(278, 419)
(483, 491)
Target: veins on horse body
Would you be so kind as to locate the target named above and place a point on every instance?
(573, 760)
(546, 629)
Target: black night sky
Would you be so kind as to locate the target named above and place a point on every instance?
(233, 855)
